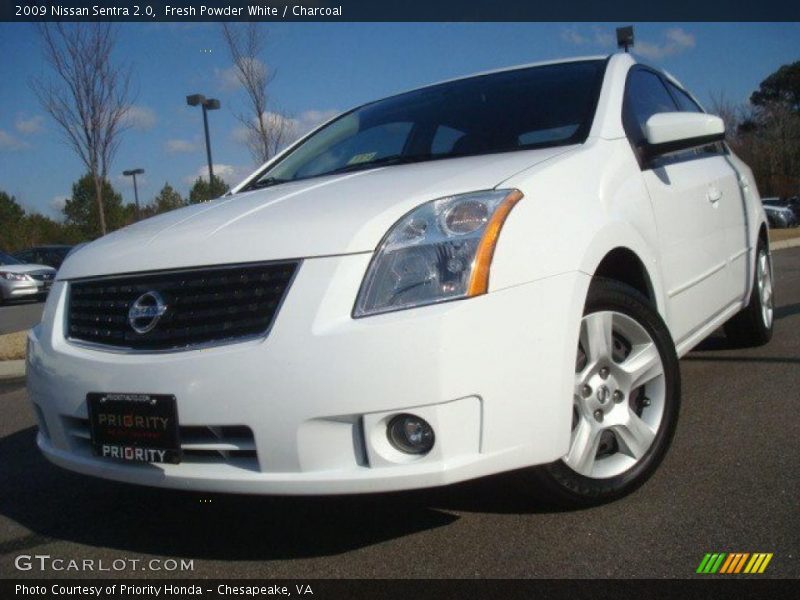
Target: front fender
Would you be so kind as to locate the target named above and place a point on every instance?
(622, 235)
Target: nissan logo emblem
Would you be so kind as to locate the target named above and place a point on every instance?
(146, 311)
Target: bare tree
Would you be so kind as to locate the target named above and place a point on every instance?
(88, 97)
(266, 130)
(728, 111)
(767, 138)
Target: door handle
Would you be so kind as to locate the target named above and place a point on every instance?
(714, 195)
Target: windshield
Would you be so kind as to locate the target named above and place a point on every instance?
(5, 259)
(534, 107)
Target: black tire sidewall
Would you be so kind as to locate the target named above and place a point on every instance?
(747, 328)
(581, 490)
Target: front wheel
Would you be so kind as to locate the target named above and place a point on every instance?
(625, 404)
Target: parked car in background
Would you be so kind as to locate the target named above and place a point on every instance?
(779, 215)
(52, 255)
(792, 204)
(397, 300)
(20, 280)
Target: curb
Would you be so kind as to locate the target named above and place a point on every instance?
(12, 369)
(783, 244)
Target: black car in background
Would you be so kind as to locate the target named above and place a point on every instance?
(792, 204)
(52, 255)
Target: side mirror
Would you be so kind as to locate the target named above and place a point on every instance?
(674, 131)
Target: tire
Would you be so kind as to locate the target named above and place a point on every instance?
(612, 454)
(753, 325)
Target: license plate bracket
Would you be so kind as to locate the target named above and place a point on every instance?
(140, 428)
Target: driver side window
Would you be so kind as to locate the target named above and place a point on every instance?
(645, 95)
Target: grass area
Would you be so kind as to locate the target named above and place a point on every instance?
(12, 345)
(778, 235)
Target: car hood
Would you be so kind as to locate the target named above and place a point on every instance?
(322, 216)
(26, 268)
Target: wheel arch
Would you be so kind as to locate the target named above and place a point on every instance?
(620, 253)
(623, 265)
(763, 234)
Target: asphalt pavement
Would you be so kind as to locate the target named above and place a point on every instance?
(729, 484)
(20, 315)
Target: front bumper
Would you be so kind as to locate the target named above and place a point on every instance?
(492, 374)
(22, 289)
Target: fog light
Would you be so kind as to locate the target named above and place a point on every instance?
(410, 434)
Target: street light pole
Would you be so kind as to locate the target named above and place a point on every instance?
(208, 145)
(133, 173)
(206, 104)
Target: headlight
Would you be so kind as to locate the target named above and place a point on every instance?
(441, 250)
(14, 276)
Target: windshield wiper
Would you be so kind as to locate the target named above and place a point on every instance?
(394, 159)
(262, 183)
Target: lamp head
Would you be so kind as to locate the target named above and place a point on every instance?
(625, 37)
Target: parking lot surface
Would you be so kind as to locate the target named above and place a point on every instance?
(20, 315)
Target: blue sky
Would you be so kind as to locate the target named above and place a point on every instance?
(321, 69)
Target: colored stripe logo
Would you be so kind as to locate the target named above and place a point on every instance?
(734, 563)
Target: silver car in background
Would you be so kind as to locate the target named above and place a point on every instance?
(22, 280)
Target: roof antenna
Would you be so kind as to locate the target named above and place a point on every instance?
(625, 37)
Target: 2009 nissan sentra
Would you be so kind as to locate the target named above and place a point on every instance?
(491, 273)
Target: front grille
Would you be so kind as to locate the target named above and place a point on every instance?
(41, 275)
(203, 306)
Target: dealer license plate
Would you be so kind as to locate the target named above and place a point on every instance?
(135, 427)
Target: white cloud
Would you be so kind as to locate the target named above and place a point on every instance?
(28, 126)
(597, 36)
(309, 119)
(239, 134)
(228, 79)
(603, 37)
(57, 203)
(180, 146)
(572, 36)
(296, 127)
(681, 38)
(676, 40)
(140, 117)
(231, 174)
(11, 143)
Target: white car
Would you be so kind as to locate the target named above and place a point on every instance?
(398, 301)
(19, 279)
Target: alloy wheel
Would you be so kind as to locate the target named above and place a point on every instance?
(619, 398)
(764, 281)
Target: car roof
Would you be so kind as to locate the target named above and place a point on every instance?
(542, 63)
